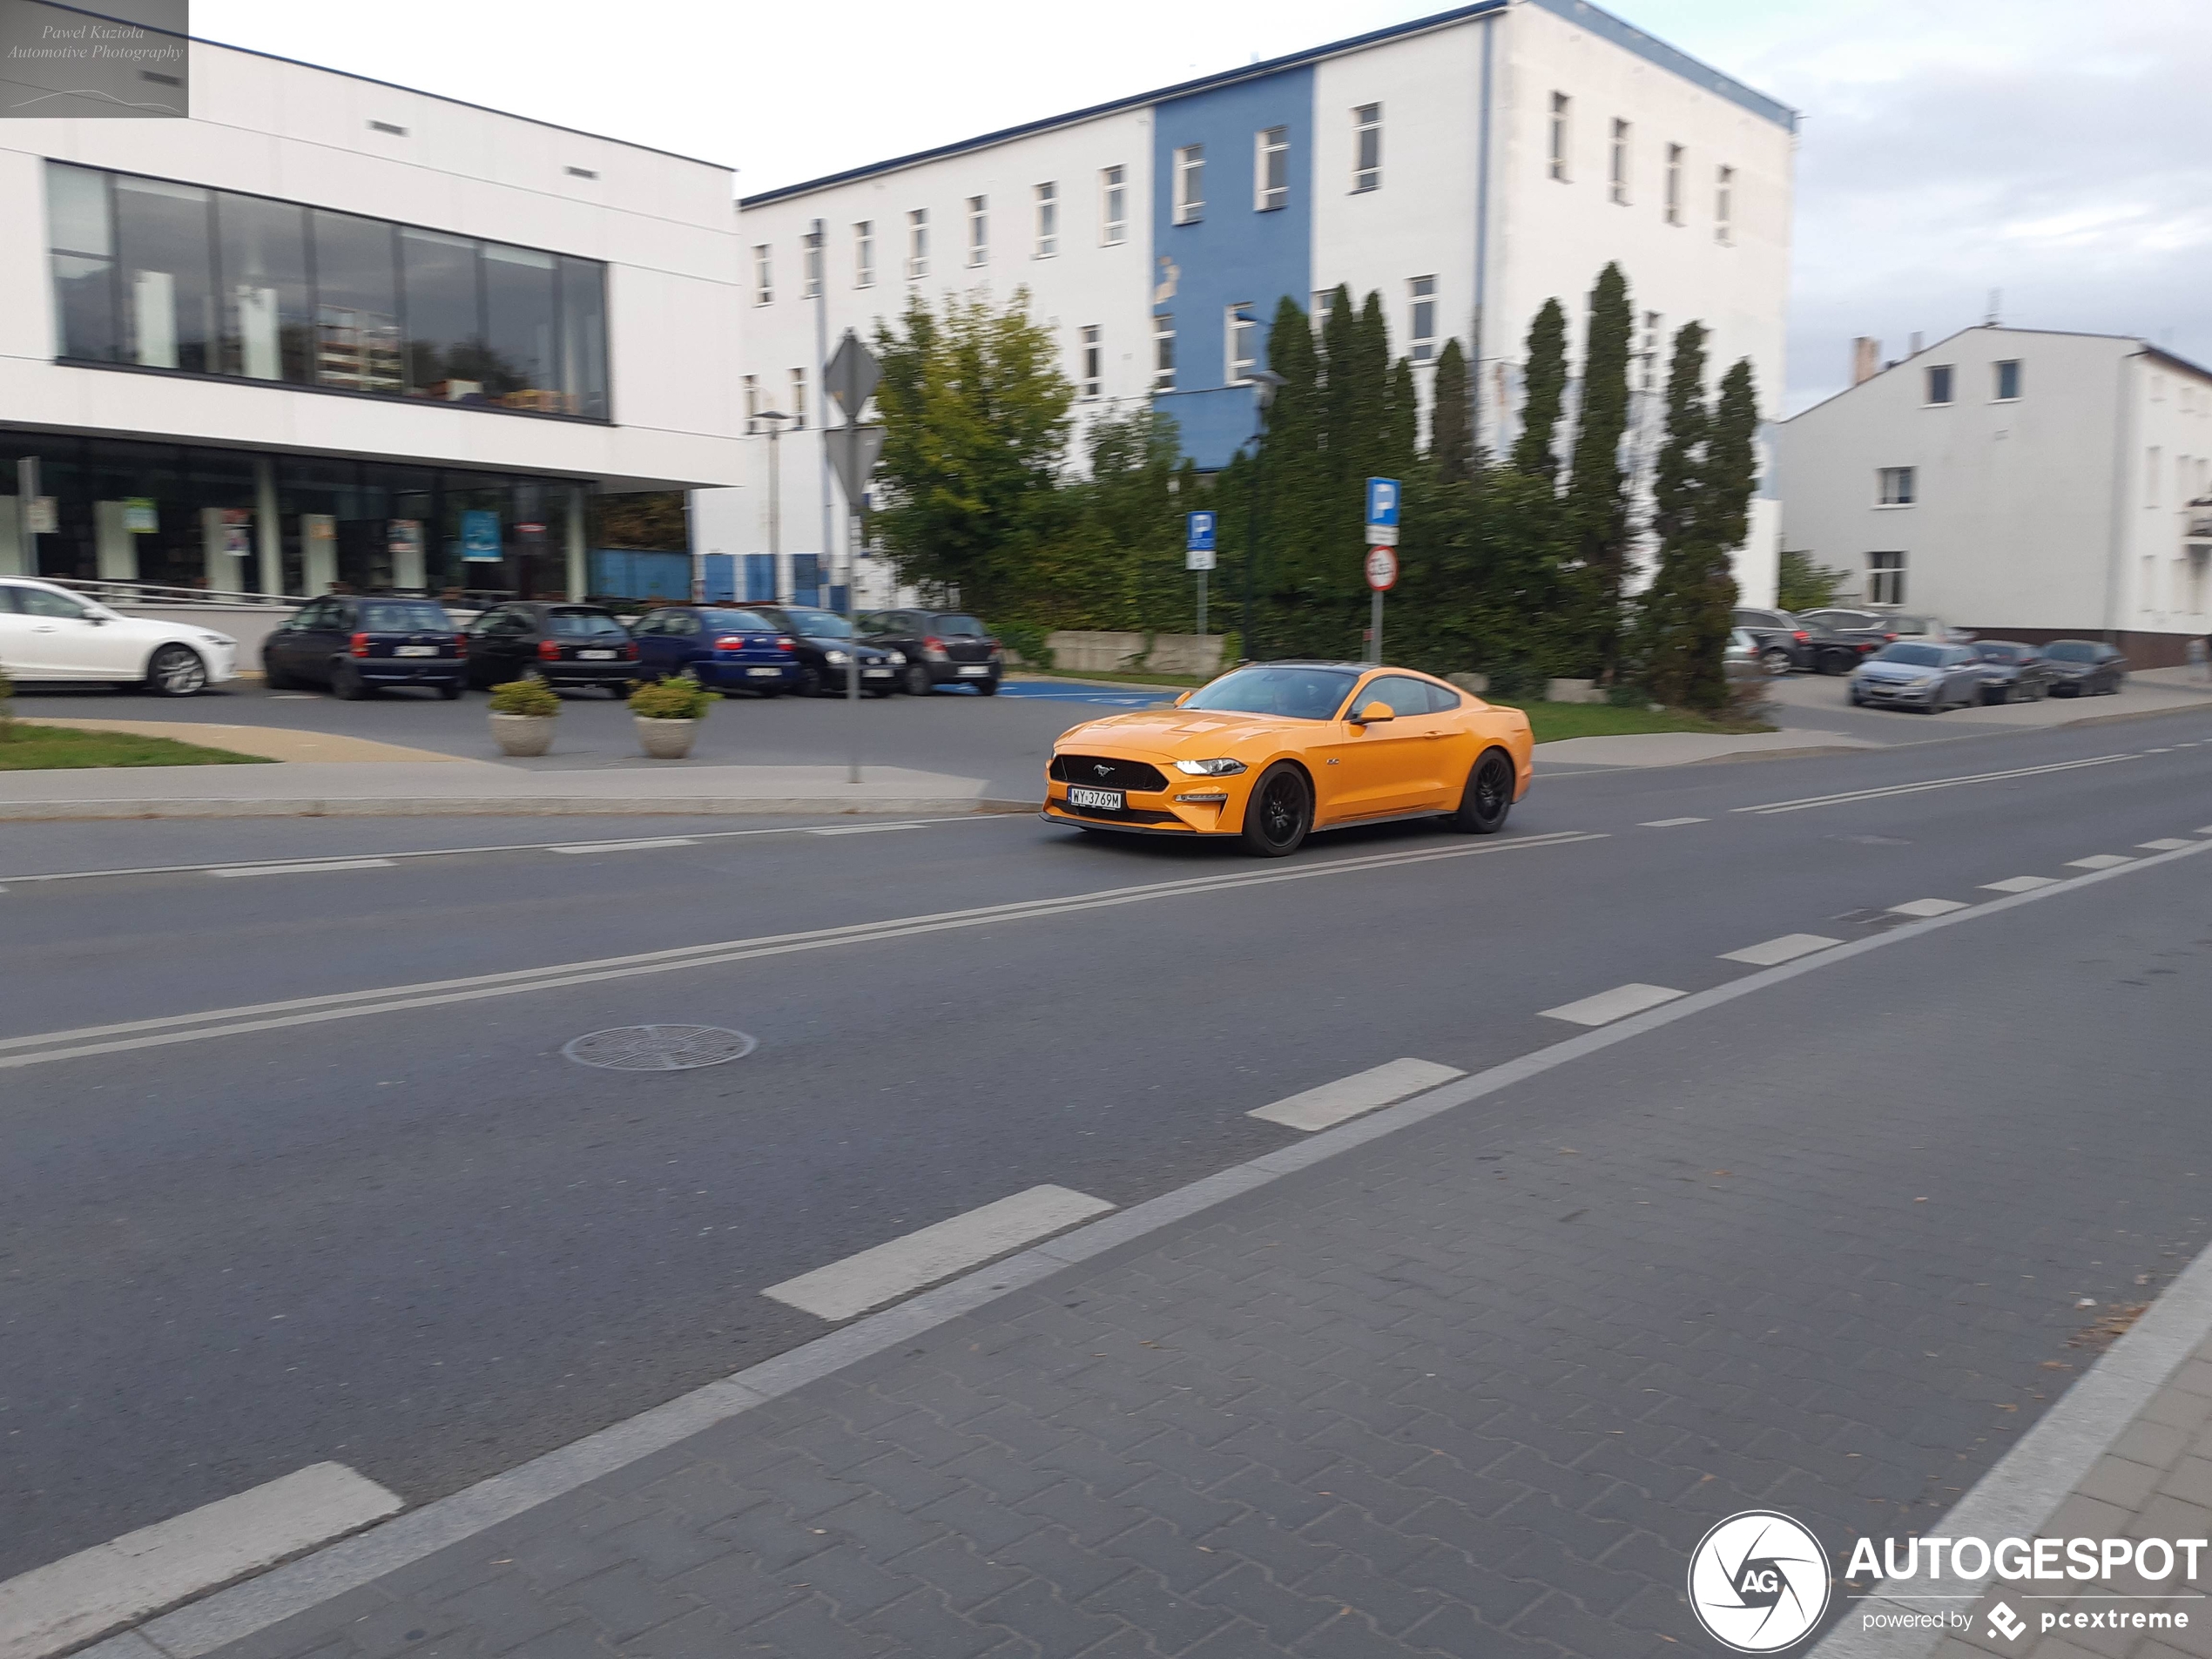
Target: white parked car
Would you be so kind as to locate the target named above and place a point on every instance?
(49, 633)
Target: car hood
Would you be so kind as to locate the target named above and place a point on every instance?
(1192, 732)
(1897, 673)
(2058, 667)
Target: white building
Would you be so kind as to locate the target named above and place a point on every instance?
(1467, 167)
(330, 329)
(2023, 483)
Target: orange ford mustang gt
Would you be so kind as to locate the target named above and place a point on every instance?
(1274, 751)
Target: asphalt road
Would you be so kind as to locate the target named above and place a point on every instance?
(418, 1241)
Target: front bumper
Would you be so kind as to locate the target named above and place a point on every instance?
(1161, 812)
(1905, 694)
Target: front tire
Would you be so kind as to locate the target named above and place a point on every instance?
(1488, 795)
(917, 681)
(1279, 812)
(275, 678)
(175, 671)
(1775, 660)
(810, 681)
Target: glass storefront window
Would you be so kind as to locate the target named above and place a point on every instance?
(170, 276)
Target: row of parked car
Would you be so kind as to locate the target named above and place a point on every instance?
(354, 644)
(1916, 662)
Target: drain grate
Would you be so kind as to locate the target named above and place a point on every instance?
(658, 1048)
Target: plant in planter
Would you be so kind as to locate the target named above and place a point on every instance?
(522, 712)
(668, 713)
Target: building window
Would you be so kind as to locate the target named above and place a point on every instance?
(1113, 206)
(1617, 178)
(1325, 305)
(763, 286)
(1558, 152)
(752, 402)
(1094, 361)
(1367, 147)
(864, 254)
(1896, 487)
(1163, 353)
(1674, 183)
(1725, 204)
(1648, 351)
(2008, 380)
(979, 230)
(1271, 169)
(813, 270)
(1189, 183)
(2150, 475)
(1885, 578)
(1242, 330)
(1421, 331)
(917, 244)
(1939, 383)
(797, 410)
(205, 281)
(1047, 220)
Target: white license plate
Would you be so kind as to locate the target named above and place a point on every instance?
(875, 673)
(763, 673)
(415, 651)
(976, 669)
(1105, 800)
(595, 656)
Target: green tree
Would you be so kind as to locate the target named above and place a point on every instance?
(656, 520)
(1544, 384)
(1701, 498)
(1450, 420)
(975, 412)
(1596, 498)
(1805, 585)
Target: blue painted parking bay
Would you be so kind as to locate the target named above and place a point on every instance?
(1119, 697)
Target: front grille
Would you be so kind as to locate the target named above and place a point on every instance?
(1127, 815)
(1103, 771)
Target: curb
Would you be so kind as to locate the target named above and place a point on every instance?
(509, 807)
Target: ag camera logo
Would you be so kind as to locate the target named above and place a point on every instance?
(1758, 1582)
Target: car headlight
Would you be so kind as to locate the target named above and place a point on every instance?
(220, 639)
(835, 658)
(898, 659)
(1223, 767)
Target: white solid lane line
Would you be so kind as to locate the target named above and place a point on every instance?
(623, 846)
(1615, 1004)
(343, 1004)
(303, 869)
(920, 1258)
(1927, 907)
(1669, 823)
(1787, 949)
(2169, 843)
(1847, 796)
(1332, 1103)
(2019, 884)
(2099, 862)
(859, 829)
(80, 1596)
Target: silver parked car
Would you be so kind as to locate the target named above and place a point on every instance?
(1913, 675)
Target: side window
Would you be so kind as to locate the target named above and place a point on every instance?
(681, 623)
(38, 602)
(1442, 699)
(7, 598)
(1404, 696)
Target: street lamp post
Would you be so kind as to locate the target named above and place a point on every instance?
(1264, 384)
(775, 418)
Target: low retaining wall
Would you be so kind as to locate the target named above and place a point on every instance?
(1092, 652)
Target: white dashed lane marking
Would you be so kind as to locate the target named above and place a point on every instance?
(1927, 907)
(1787, 949)
(860, 829)
(1615, 1004)
(2170, 844)
(303, 869)
(2019, 884)
(1669, 823)
(1332, 1103)
(2099, 862)
(624, 847)
(920, 1258)
(83, 1595)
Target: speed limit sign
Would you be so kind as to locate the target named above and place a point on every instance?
(1382, 569)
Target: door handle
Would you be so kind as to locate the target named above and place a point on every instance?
(45, 628)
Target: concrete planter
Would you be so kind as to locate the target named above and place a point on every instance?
(522, 734)
(666, 739)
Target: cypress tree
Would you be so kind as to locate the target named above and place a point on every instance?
(1401, 423)
(1677, 492)
(1450, 419)
(1731, 475)
(1543, 392)
(1596, 487)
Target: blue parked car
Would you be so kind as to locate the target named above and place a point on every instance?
(726, 650)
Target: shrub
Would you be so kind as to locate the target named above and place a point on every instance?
(1026, 640)
(680, 698)
(530, 695)
(7, 707)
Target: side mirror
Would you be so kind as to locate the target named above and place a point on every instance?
(1374, 714)
(1180, 701)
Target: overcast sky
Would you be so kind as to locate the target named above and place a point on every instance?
(2054, 151)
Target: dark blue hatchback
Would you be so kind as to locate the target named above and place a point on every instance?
(726, 650)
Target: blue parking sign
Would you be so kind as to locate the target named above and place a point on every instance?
(1382, 501)
(1198, 532)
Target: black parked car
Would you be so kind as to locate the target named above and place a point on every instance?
(1788, 641)
(2084, 667)
(2013, 672)
(563, 645)
(358, 644)
(827, 646)
(941, 648)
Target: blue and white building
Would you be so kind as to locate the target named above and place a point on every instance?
(1467, 166)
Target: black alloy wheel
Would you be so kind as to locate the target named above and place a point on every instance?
(1488, 795)
(1279, 812)
(175, 671)
(917, 681)
(1774, 659)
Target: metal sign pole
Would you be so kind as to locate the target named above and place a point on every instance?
(1374, 630)
(1201, 604)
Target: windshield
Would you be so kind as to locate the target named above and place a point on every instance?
(1912, 655)
(2071, 651)
(824, 624)
(1300, 693)
(392, 616)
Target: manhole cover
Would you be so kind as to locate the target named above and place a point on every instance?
(658, 1048)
